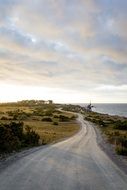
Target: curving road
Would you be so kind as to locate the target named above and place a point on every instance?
(74, 164)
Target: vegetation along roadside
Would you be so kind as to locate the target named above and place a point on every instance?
(113, 127)
(33, 123)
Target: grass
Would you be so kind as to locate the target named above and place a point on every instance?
(49, 132)
(13, 108)
(52, 133)
(114, 127)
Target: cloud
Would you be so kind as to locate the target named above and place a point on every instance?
(112, 88)
(76, 44)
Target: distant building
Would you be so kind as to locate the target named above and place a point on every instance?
(48, 102)
(35, 102)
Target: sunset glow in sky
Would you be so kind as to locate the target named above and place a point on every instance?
(65, 50)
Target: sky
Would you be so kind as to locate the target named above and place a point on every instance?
(70, 51)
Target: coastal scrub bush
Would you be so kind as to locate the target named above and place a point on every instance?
(121, 141)
(56, 116)
(4, 118)
(121, 125)
(73, 117)
(8, 142)
(49, 112)
(18, 115)
(38, 112)
(31, 138)
(47, 119)
(55, 123)
(13, 137)
(87, 118)
(121, 145)
(17, 129)
(63, 118)
(121, 150)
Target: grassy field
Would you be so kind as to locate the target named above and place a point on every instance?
(50, 123)
(53, 133)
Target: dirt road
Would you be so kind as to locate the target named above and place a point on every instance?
(74, 164)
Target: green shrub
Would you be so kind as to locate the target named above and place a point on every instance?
(17, 129)
(63, 118)
(12, 137)
(30, 138)
(4, 118)
(38, 113)
(121, 150)
(121, 125)
(48, 119)
(49, 112)
(87, 118)
(8, 141)
(55, 123)
(56, 116)
(18, 114)
(73, 117)
(122, 141)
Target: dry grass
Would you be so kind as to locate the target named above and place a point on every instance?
(47, 131)
(13, 108)
(52, 133)
(115, 128)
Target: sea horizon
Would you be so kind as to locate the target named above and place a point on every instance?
(119, 109)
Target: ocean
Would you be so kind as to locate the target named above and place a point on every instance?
(111, 109)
